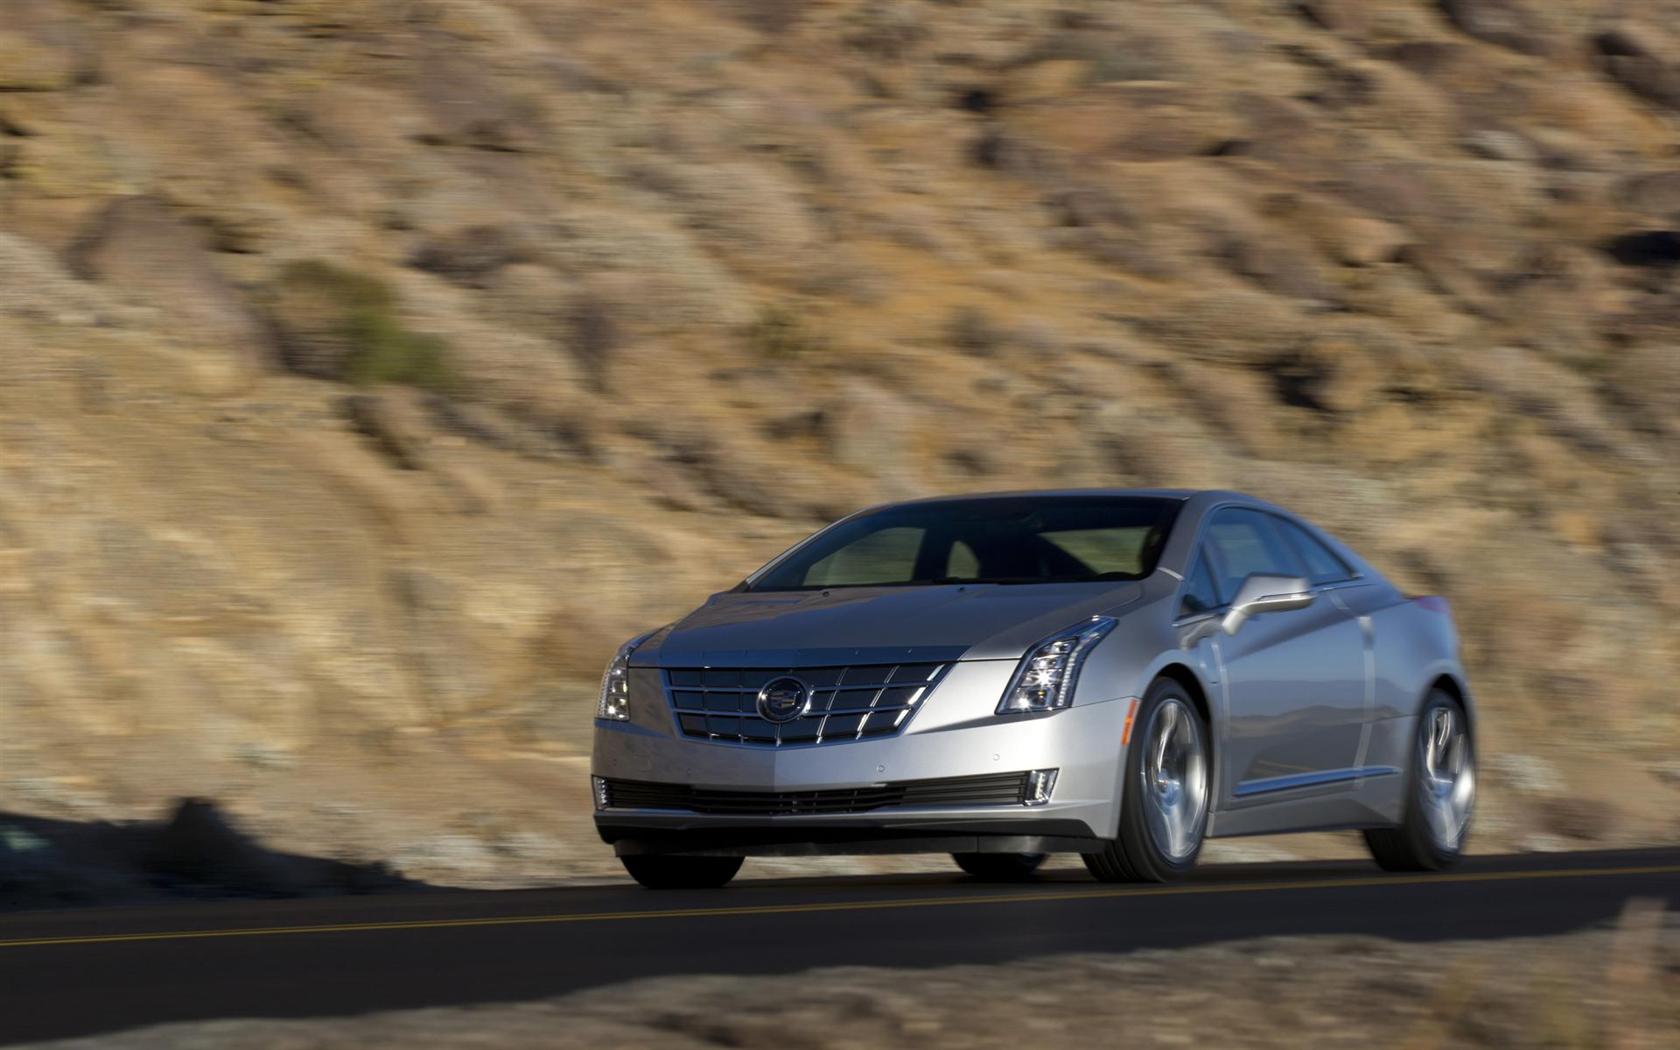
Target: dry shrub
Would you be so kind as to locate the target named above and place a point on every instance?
(335, 323)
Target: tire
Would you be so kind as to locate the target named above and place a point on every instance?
(681, 873)
(999, 867)
(1170, 735)
(1436, 823)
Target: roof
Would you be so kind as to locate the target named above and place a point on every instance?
(1180, 494)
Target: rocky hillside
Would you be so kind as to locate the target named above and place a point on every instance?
(369, 368)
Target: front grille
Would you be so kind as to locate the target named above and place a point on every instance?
(997, 789)
(847, 703)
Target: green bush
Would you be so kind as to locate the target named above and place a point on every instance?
(389, 353)
(336, 323)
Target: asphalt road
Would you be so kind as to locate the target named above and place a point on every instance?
(101, 969)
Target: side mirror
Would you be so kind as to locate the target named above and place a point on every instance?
(1263, 594)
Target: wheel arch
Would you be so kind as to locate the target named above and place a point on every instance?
(1453, 685)
(1185, 676)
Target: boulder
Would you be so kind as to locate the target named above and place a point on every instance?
(1654, 193)
(464, 106)
(1507, 23)
(594, 331)
(972, 330)
(28, 63)
(1637, 61)
(1578, 818)
(471, 255)
(1645, 380)
(1525, 774)
(1341, 16)
(1339, 375)
(144, 249)
(866, 427)
(1274, 264)
(1494, 144)
(1363, 241)
(394, 419)
(1426, 58)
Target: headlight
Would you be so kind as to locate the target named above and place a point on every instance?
(1049, 671)
(614, 704)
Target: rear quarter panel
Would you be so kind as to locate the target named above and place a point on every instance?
(1413, 647)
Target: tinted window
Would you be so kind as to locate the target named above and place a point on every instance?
(1200, 594)
(1323, 564)
(1026, 539)
(962, 564)
(889, 554)
(1246, 542)
(1106, 551)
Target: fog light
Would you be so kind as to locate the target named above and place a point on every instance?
(1040, 782)
(600, 786)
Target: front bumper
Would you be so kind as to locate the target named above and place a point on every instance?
(956, 734)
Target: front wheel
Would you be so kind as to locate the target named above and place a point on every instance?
(999, 867)
(681, 873)
(1164, 797)
(1440, 797)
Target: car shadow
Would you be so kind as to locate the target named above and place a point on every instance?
(196, 852)
(1268, 873)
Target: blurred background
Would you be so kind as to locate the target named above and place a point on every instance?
(369, 369)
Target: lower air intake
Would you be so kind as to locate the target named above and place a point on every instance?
(1000, 789)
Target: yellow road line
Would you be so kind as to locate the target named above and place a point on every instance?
(1084, 893)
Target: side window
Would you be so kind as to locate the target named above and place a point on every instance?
(887, 556)
(1323, 564)
(1200, 594)
(1246, 542)
(962, 563)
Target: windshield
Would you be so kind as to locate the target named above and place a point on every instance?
(1026, 539)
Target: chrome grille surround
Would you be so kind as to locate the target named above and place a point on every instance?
(993, 789)
(850, 702)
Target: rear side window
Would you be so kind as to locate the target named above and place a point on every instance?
(1200, 594)
(962, 564)
(1246, 542)
(1323, 564)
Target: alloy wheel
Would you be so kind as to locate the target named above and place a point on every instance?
(1448, 780)
(1175, 780)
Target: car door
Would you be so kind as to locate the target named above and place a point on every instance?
(1294, 682)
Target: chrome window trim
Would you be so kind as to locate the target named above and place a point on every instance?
(1198, 545)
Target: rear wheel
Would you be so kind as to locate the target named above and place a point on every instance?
(681, 873)
(999, 867)
(1440, 797)
(1164, 797)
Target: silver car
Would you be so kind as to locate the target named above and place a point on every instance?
(1116, 673)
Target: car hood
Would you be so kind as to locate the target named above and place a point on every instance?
(886, 624)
